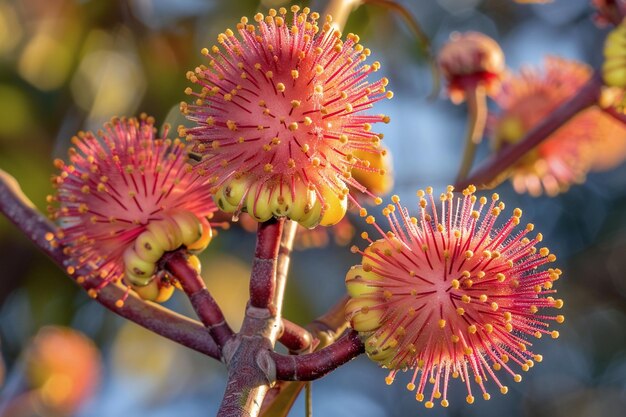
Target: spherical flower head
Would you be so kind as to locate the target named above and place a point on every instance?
(280, 117)
(590, 140)
(469, 60)
(449, 294)
(63, 366)
(124, 199)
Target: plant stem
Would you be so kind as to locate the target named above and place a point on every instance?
(263, 278)
(415, 27)
(311, 366)
(585, 97)
(617, 115)
(203, 303)
(21, 212)
(326, 328)
(295, 338)
(340, 10)
(477, 119)
(308, 400)
(250, 367)
(284, 258)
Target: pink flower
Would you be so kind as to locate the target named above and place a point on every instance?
(609, 12)
(590, 140)
(470, 60)
(124, 199)
(279, 115)
(448, 294)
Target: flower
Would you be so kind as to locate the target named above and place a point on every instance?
(125, 198)
(449, 294)
(280, 118)
(470, 60)
(63, 367)
(609, 12)
(564, 158)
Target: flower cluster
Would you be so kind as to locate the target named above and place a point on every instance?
(279, 114)
(470, 60)
(449, 294)
(590, 140)
(124, 199)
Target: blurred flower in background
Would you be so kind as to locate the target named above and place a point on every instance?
(61, 371)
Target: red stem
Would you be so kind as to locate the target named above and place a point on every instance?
(615, 114)
(585, 97)
(201, 300)
(315, 365)
(263, 278)
(21, 212)
(250, 368)
(295, 338)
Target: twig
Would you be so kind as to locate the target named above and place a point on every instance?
(617, 115)
(295, 338)
(263, 278)
(415, 27)
(311, 366)
(21, 212)
(587, 96)
(340, 10)
(250, 367)
(326, 329)
(477, 111)
(203, 303)
(308, 400)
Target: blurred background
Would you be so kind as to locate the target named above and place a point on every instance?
(69, 65)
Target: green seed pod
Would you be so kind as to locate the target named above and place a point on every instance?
(235, 190)
(335, 206)
(156, 291)
(204, 240)
(220, 199)
(281, 201)
(160, 233)
(189, 226)
(362, 317)
(147, 247)
(303, 201)
(174, 234)
(258, 203)
(138, 271)
(360, 282)
(312, 216)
